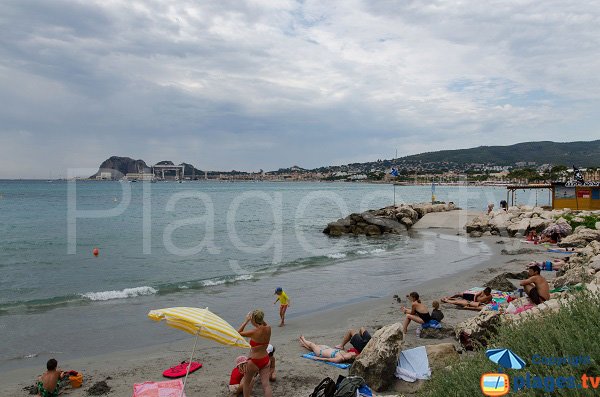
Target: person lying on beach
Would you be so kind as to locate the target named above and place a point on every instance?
(418, 312)
(48, 382)
(470, 301)
(271, 352)
(258, 361)
(536, 286)
(326, 353)
(236, 380)
(358, 339)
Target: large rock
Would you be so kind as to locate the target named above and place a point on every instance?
(519, 227)
(335, 229)
(581, 238)
(571, 277)
(500, 283)
(121, 166)
(377, 362)
(440, 355)
(476, 331)
(385, 224)
(539, 224)
(500, 221)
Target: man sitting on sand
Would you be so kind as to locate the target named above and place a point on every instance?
(536, 286)
(326, 353)
(471, 301)
(236, 383)
(358, 339)
(48, 383)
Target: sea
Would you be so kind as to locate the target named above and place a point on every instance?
(221, 245)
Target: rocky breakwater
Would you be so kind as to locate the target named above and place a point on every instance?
(520, 220)
(388, 220)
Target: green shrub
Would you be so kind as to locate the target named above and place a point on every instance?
(588, 221)
(571, 332)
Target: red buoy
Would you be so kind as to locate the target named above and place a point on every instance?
(95, 251)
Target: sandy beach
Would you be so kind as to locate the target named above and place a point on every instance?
(295, 376)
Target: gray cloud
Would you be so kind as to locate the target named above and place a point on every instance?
(263, 84)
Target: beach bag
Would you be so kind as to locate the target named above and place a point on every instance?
(324, 389)
(348, 387)
(76, 379)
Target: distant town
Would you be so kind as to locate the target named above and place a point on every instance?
(382, 171)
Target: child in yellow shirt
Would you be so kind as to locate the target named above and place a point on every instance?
(284, 301)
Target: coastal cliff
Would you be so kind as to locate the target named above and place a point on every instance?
(120, 166)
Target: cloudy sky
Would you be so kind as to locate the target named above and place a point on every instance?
(250, 84)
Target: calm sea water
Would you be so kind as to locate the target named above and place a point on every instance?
(222, 245)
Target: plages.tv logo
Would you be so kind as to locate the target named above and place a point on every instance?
(498, 384)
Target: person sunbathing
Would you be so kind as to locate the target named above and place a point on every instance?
(326, 353)
(536, 286)
(470, 301)
(358, 339)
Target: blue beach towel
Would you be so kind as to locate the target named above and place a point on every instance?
(311, 355)
(432, 324)
(562, 252)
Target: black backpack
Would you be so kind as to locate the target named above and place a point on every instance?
(324, 389)
(347, 387)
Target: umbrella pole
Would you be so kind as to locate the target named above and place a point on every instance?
(189, 364)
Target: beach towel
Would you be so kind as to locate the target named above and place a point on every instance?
(432, 324)
(497, 296)
(558, 251)
(169, 388)
(413, 364)
(311, 356)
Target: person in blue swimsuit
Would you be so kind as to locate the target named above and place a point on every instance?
(326, 353)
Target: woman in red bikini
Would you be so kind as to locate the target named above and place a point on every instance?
(258, 361)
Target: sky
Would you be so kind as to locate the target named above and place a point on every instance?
(257, 84)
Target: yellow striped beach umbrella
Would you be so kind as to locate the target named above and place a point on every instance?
(199, 322)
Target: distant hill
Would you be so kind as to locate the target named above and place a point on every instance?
(583, 154)
(119, 166)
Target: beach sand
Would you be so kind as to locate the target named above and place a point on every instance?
(295, 376)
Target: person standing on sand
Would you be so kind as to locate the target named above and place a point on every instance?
(284, 303)
(259, 360)
(417, 313)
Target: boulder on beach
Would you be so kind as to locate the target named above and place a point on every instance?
(477, 330)
(500, 283)
(377, 362)
(580, 239)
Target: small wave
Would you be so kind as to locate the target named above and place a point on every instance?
(377, 251)
(362, 252)
(337, 255)
(221, 281)
(126, 293)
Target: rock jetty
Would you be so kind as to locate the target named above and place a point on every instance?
(520, 220)
(388, 220)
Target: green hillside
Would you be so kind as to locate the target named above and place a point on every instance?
(582, 154)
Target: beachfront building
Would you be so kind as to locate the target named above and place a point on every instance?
(573, 195)
(576, 196)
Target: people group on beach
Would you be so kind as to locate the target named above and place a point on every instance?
(259, 364)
